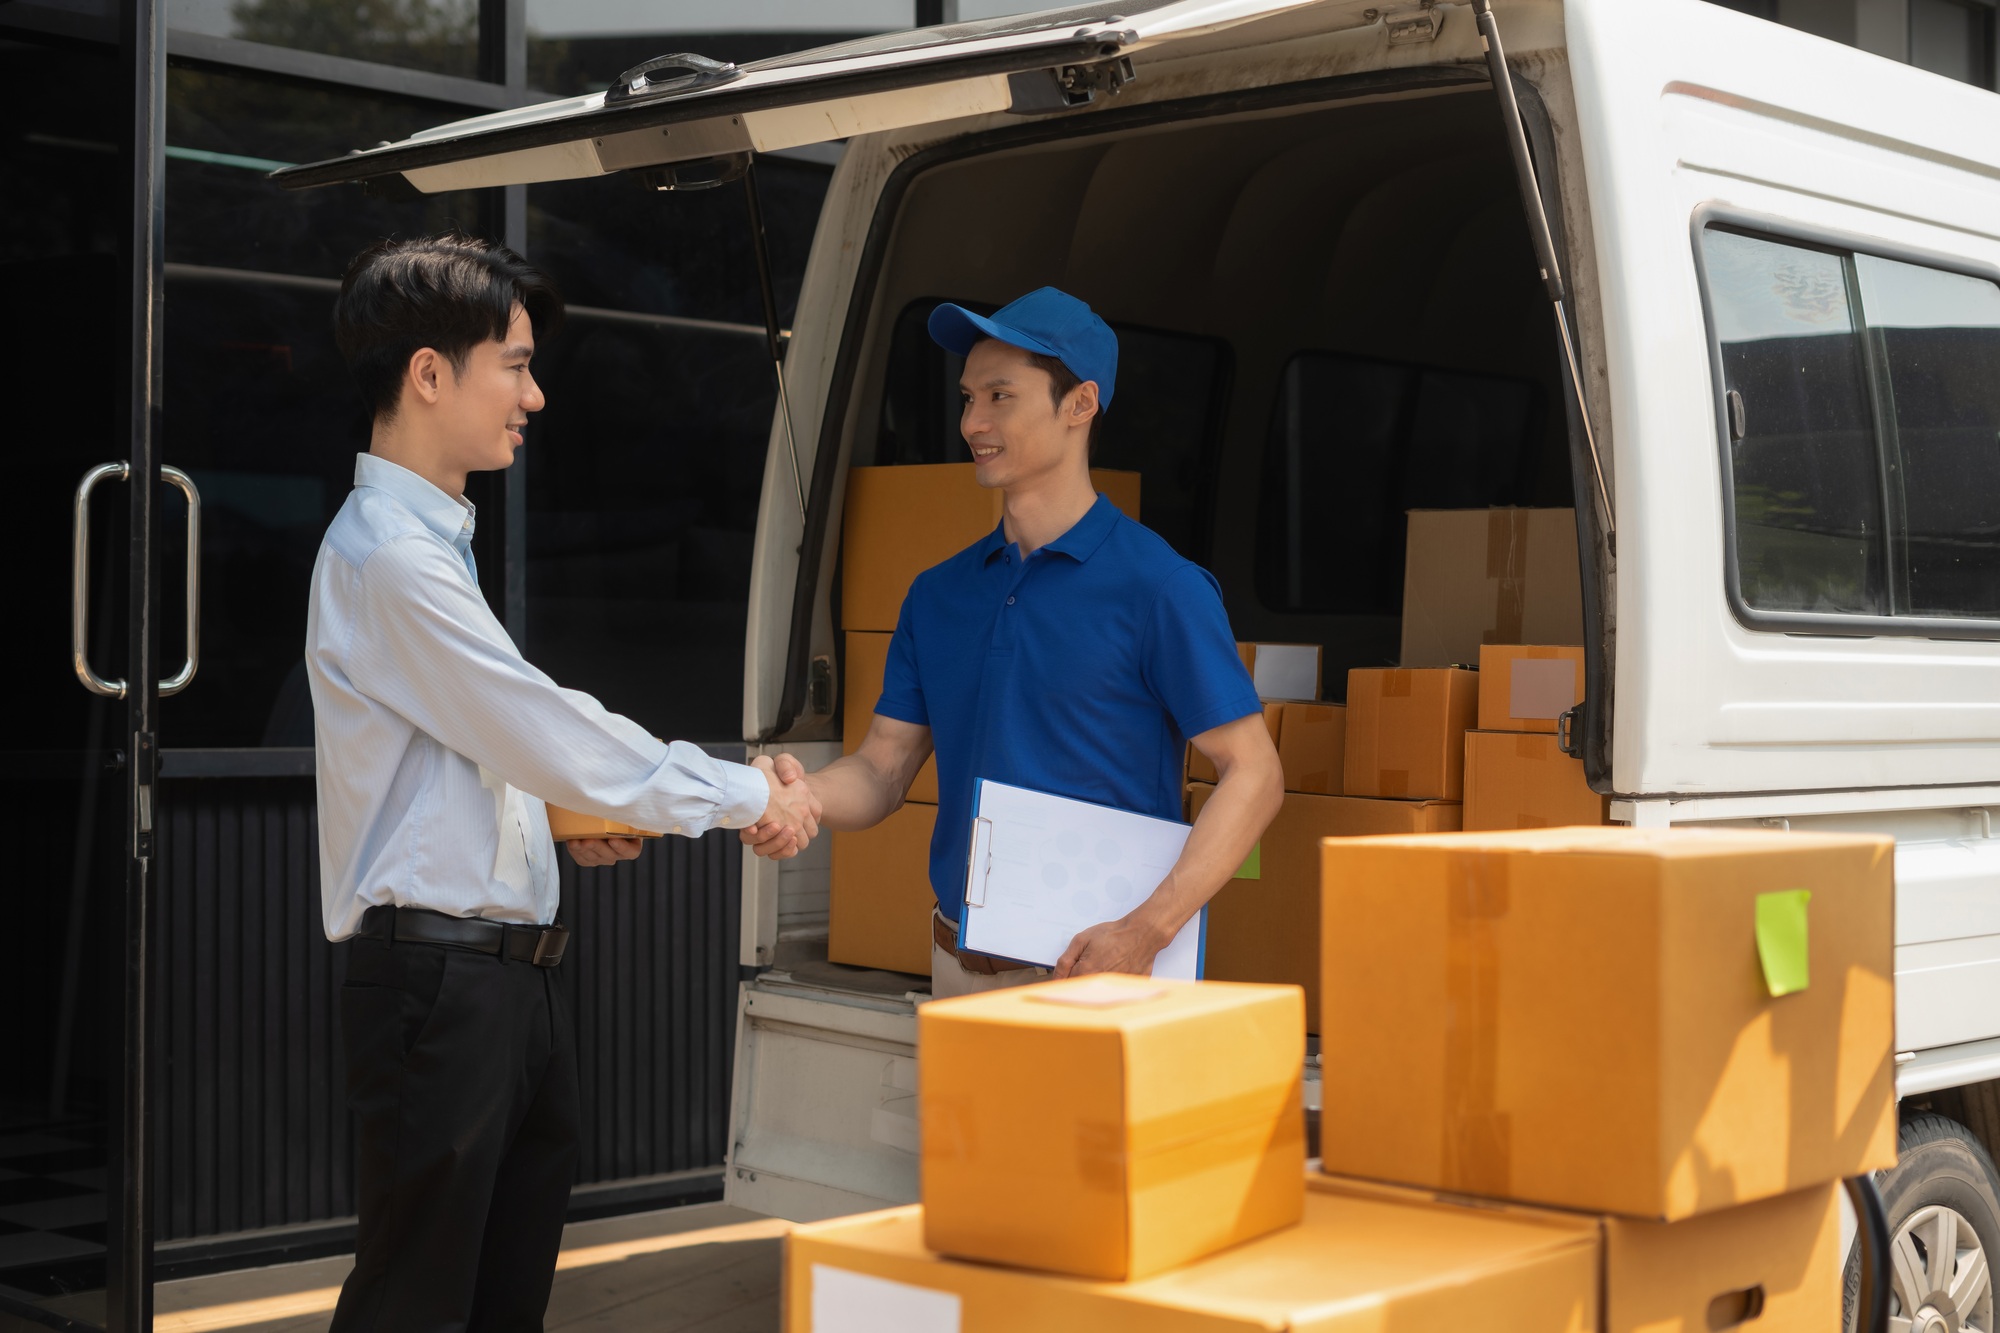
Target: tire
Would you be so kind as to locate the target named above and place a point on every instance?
(1943, 1190)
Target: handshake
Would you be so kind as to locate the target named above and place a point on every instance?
(791, 821)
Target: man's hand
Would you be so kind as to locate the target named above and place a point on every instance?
(1128, 944)
(604, 851)
(791, 821)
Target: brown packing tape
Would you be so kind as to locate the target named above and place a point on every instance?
(1172, 1147)
(1528, 745)
(1476, 1151)
(1507, 562)
(1396, 684)
(1393, 783)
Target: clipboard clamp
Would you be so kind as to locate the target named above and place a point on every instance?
(979, 862)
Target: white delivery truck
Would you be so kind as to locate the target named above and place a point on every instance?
(1727, 289)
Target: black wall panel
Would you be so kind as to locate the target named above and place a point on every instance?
(253, 1130)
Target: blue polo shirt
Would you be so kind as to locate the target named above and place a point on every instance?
(1081, 670)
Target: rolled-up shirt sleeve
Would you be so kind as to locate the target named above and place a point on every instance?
(424, 643)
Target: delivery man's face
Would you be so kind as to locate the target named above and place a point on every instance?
(487, 403)
(1016, 431)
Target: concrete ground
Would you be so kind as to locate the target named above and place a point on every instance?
(708, 1267)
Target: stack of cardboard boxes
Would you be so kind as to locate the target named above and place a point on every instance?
(1403, 755)
(899, 522)
(1589, 1080)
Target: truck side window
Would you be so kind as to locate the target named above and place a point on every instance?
(1808, 503)
(1936, 337)
(1862, 415)
(1355, 444)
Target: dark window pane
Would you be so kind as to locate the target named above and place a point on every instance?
(1939, 336)
(441, 36)
(580, 46)
(1808, 497)
(643, 479)
(259, 407)
(1164, 424)
(1357, 443)
(1953, 38)
(615, 244)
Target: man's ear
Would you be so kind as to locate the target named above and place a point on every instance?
(425, 373)
(1083, 403)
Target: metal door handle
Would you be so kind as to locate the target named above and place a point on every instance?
(79, 582)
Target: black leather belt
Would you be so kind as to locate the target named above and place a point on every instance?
(541, 945)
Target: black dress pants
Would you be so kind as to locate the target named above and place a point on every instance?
(461, 1072)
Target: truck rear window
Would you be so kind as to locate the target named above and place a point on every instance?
(1861, 422)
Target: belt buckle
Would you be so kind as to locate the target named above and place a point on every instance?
(549, 946)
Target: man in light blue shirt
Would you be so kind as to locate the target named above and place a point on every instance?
(437, 744)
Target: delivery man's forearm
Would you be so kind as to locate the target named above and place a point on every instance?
(1246, 799)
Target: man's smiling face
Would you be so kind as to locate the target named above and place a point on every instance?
(486, 405)
(1015, 429)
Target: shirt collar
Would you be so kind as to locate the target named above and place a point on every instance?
(1087, 533)
(451, 518)
(1079, 543)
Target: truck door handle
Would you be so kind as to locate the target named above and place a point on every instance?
(79, 582)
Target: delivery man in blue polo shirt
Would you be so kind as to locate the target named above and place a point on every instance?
(1070, 651)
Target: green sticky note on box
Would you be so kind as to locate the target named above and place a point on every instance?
(1253, 864)
(1781, 939)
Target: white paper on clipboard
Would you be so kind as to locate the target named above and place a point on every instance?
(1041, 868)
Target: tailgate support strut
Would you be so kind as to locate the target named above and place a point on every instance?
(1544, 243)
(773, 337)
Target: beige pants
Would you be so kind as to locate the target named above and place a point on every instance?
(948, 978)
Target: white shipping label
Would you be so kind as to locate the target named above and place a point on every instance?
(844, 1302)
(1541, 687)
(1286, 671)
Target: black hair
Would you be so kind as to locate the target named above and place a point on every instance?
(447, 292)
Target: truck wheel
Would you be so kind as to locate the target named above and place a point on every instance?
(1943, 1203)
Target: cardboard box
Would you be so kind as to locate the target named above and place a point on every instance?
(1312, 747)
(1354, 1264)
(569, 825)
(1526, 687)
(879, 913)
(1586, 1018)
(1109, 1126)
(1478, 576)
(1284, 670)
(900, 521)
(1406, 732)
(1782, 1255)
(1267, 928)
(1519, 779)
(1199, 769)
(861, 690)
(1699, 1274)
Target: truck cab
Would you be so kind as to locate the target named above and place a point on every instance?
(1728, 291)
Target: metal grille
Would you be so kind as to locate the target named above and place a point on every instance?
(252, 1129)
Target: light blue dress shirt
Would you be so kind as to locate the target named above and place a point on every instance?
(437, 742)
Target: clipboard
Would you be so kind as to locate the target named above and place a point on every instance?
(1041, 868)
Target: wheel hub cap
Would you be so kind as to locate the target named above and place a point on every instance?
(1939, 1279)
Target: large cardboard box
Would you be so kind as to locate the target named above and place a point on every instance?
(1587, 1018)
(1777, 1261)
(1267, 928)
(1110, 1126)
(1526, 687)
(1354, 1264)
(867, 660)
(1780, 1255)
(1199, 767)
(879, 914)
(1312, 747)
(1477, 576)
(1519, 779)
(900, 521)
(1406, 732)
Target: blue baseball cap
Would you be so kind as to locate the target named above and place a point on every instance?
(1047, 321)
